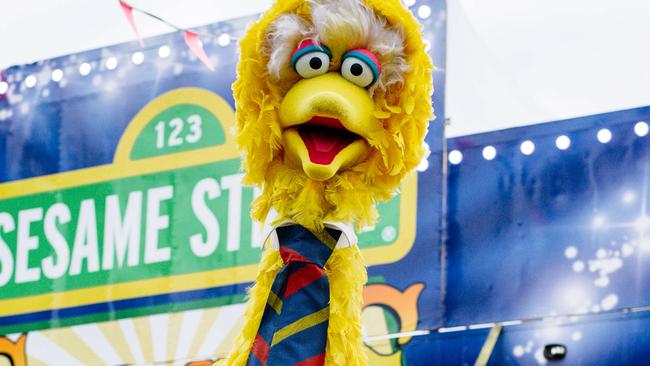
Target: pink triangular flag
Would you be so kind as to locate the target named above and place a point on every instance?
(194, 43)
(128, 12)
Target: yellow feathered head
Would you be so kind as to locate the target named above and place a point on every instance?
(333, 99)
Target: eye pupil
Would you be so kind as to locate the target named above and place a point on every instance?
(315, 63)
(356, 69)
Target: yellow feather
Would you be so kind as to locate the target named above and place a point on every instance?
(404, 110)
(269, 267)
(346, 272)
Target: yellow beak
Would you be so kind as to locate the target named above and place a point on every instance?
(327, 97)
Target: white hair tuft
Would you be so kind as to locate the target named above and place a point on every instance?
(342, 25)
(283, 36)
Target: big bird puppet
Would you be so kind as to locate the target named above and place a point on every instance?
(333, 99)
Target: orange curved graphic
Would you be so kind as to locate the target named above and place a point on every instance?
(403, 304)
(14, 351)
(200, 363)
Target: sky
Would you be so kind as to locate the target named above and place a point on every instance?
(510, 62)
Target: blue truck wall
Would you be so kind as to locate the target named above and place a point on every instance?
(559, 233)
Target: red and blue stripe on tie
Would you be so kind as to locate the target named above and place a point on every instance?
(293, 330)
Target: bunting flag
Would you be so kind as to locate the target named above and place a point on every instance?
(128, 12)
(191, 38)
(194, 43)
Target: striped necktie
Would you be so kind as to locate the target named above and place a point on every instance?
(293, 330)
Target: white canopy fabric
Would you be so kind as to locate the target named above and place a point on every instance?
(510, 62)
(518, 62)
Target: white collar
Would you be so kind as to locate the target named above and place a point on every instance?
(348, 236)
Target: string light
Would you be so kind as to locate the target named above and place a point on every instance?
(84, 69)
(164, 51)
(30, 81)
(57, 75)
(604, 136)
(563, 142)
(641, 129)
(224, 40)
(489, 153)
(527, 147)
(455, 157)
(424, 11)
(111, 63)
(137, 58)
(4, 87)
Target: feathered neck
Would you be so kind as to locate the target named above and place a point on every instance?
(347, 197)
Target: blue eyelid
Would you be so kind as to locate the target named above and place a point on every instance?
(367, 60)
(309, 49)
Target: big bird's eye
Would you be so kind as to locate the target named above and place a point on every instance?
(310, 60)
(361, 68)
